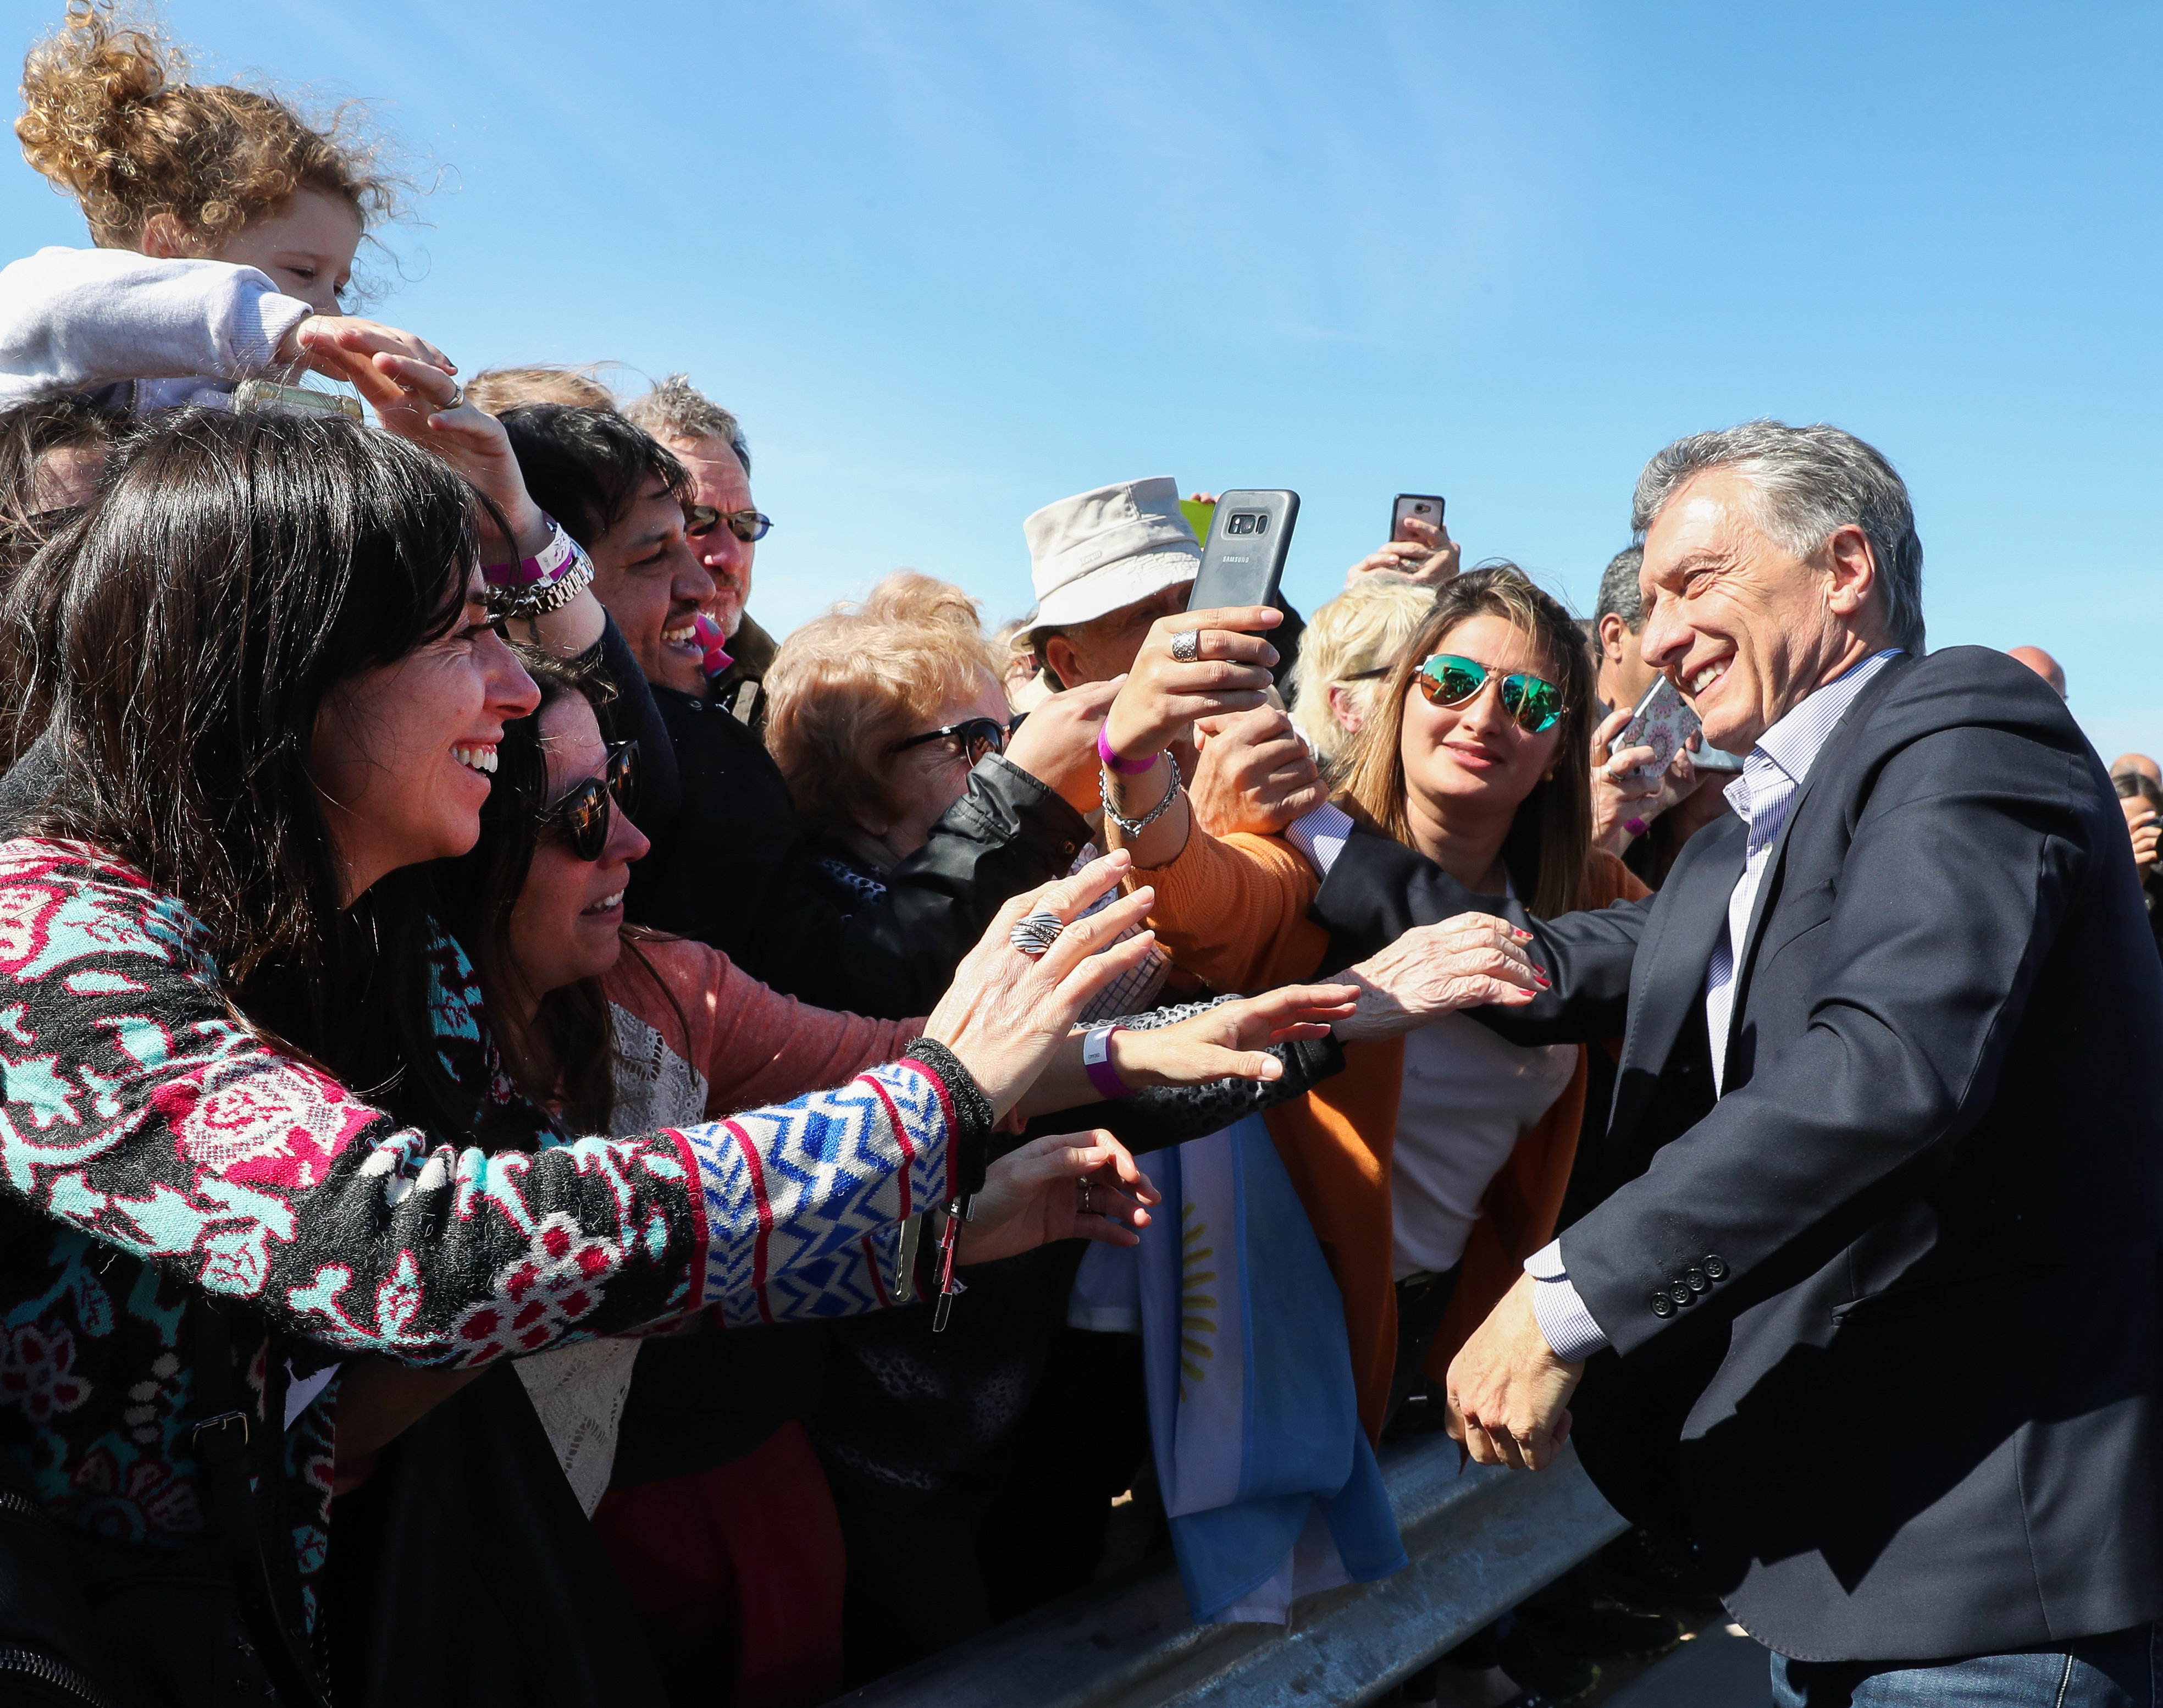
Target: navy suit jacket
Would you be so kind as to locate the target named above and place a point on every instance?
(1884, 1317)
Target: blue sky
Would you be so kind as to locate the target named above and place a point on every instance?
(951, 261)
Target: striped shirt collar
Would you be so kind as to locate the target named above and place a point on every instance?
(1791, 746)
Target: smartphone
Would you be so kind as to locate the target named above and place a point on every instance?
(1414, 507)
(1664, 722)
(1243, 557)
(262, 394)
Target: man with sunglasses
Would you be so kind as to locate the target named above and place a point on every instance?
(722, 525)
(1866, 1307)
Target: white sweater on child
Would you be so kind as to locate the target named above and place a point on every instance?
(184, 331)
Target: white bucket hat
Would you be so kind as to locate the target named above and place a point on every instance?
(1101, 550)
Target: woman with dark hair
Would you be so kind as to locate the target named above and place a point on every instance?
(256, 1123)
(1437, 1162)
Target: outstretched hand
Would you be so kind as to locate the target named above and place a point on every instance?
(1034, 1195)
(1464, 962)
(1227, 1041)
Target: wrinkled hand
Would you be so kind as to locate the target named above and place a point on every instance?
(1464, 962)
(1508, 1394)
(2141, 823)
(1033, 1196)
(1226, 1042)
(1056, 743)
(1253, 773)
(1005, 1015)
(1423, 552)
(1161, 696)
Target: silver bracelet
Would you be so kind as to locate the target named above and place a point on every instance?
(530, 602)
(1135, 827)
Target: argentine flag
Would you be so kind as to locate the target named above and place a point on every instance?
(1272, 1489)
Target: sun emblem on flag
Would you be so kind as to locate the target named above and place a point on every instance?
(1196, 1303)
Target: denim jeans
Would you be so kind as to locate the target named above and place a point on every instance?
(2116, 1670)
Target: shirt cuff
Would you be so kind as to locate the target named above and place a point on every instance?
(1572, 1334)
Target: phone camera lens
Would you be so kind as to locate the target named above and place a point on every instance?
(1261, 524)
(1241, 524)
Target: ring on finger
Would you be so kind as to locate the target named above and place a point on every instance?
(1088, 1203)
(1036, 932)
(1186, 646)
(458, 398)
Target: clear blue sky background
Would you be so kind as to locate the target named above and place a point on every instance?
(951, 261)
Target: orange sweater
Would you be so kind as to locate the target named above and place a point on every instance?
(1234, 912)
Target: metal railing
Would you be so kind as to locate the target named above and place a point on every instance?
(1480, 1541)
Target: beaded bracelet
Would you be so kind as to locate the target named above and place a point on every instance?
(547, 581)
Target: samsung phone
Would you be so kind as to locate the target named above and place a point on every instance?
(1664, 722)
(1414, 507)
(1243, 557)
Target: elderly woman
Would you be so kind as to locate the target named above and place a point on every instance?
(876, 712)
(1436, 1162)
(1348, 648)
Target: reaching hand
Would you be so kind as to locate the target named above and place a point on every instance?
(1056, 743)
(1006, 1013)
(1161, 696)
(1423, 552)
(1464, 962)
(1253, 773)
(1226, 1042)
(335, 345)
(1068, 1185)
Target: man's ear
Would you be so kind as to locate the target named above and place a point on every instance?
(1613, 632)
(1851, 568)
(1059, 655)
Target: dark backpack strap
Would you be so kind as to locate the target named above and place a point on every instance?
(223, 1437)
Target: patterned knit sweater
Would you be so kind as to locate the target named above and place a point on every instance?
(151, 1147)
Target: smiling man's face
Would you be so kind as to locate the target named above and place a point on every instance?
(1739, 623)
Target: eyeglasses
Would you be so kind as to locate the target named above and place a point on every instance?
(700, 520)
(1446, 679)
(974, 736)
(582, 816)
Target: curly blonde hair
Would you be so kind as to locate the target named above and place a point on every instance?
(109, 118)
(848, 685)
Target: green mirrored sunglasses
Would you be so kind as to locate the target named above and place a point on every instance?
(1446, 679)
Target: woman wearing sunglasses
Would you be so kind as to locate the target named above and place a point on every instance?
(1436, 1163)
(876, 714)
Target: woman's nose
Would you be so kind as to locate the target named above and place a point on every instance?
(512, 692)
(627, 842)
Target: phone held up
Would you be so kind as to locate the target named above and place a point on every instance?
(1243, 557)
(1664, 722)
(1414, 507)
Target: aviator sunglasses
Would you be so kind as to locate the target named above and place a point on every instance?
(974, 736)
(1446, 679)
(700, 520)
(583, 815)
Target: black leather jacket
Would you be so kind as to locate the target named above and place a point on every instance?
(733, 870)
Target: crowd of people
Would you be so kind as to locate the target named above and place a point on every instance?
(557, 1146)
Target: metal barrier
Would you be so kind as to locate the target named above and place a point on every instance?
(1480, 1541)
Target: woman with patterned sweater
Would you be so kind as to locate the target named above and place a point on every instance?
(275, 691)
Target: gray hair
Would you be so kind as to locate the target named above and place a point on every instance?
(1807, 482)
(1620, 593)
(676, 409)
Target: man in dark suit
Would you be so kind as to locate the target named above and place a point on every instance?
(1869, 1307)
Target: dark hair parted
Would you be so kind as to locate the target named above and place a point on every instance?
(1548, 852)
(569, 1051)
(585, 466)
(180, 637)
(109, 117)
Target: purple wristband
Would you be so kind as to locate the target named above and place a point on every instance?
(1125, 768)
(1636, 827)
(557, 554)
(1097, 1061)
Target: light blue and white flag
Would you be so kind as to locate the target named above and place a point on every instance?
(1271, 1487)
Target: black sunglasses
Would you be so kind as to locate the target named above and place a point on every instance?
(975, 737)
(582, 816)
(700, 520)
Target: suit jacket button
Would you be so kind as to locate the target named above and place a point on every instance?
(1695, 1280)
(1680, 1294)
(1716, 1267)
(1662, 1306)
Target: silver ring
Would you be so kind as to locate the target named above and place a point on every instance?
(1036, 932)
(1088, 1205)
(458, 398)
(1186, 646)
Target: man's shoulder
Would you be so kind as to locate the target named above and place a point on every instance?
(1963, 686)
